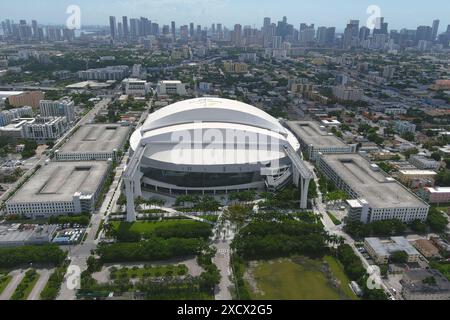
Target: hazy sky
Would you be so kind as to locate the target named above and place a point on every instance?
(399, 13)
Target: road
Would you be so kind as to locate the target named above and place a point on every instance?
(222, 260)
(332, 229)
(44, 275)
(89, 117)
(17, 275)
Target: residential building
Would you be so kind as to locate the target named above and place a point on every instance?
(403, 127)
(424, 163)
(348, 93)
(60, 108)
(116, 73)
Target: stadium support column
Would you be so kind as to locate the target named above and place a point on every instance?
(129, 191)
(304, 192)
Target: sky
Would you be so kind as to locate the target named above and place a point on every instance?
(399, 13)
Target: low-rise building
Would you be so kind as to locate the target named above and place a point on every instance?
(171, 87)
(436, 194)
(381, 251)
(403, 127)
(22, 98)
(38, 129)
(417, 178)
(426, 248)
(425, 284)
(136, 87)
(424, 163)
(23, 234)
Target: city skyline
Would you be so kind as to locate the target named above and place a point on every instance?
(229, 12)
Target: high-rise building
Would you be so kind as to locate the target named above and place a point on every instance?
(126, 31)
(237, 35)
(61, 108)
(113, 27)
(424, 33)
(173, 30)
(191, 30)
(435, 30)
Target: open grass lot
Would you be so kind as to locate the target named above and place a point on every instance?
(300, 279)
(4, 281)
(148, 227)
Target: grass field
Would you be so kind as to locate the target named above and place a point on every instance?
(334, 219)
(148, 227)
(299, 279)
(25, 287)
(4, 281)
(150, 271)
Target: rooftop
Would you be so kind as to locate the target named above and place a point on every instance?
(312, 134)
(376, 187)
(59, 181)
(386, 248)
(96, 138)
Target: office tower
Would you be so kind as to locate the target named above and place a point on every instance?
(381, 27)
(34, 26)
(134, 28)
(113, 27)
(424, 33)
(364, 33)
(306, 35)
(126, 31)
(219, 32)
(237, 35)
(347, 40)
(120, 30)
(276, 42)
(435, 30)
(213, 28)
(322, 35)
(331, 35)
(173, 30)
(355, 27)
(155, 29)
(184, 33)
(191, 30)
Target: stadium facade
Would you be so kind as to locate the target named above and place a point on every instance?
(211, 146)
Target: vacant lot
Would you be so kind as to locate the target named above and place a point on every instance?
(299, 279)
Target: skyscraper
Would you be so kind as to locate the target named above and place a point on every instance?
(126, 32)
(435, 30)
(113, 26)
(173, 30)
(237, 35)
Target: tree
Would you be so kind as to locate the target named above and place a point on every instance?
(436, 156)
(399, 257)
(437, 221)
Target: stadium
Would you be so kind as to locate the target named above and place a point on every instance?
(210, 146)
